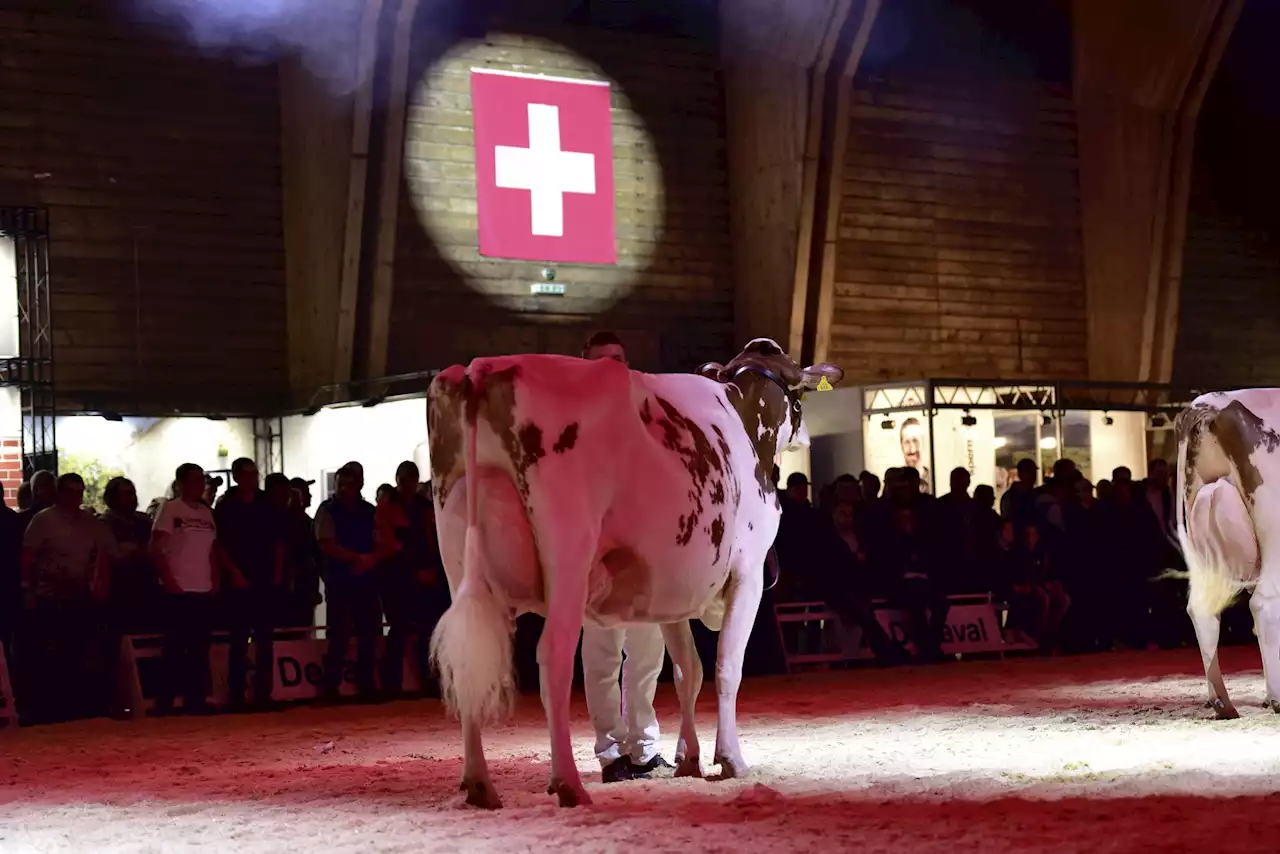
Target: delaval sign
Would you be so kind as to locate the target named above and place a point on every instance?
(544, 167)
(969, 628)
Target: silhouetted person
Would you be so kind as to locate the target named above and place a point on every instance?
(183, 543)
(344, 530)
(252, 533)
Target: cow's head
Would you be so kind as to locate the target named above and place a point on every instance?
(771, 385)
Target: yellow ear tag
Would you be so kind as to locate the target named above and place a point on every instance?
(823, 385)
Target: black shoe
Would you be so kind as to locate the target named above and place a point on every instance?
(617, 771)
(640, 771)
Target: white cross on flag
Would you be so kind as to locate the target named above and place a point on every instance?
(544, 167)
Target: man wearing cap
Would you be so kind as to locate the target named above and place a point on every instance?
(304, 556)
(626, 724)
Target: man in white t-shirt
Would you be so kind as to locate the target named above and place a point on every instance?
(183, 541)
(625, 722)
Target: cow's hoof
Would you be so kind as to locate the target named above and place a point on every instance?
(480, 793)
(1223, 711)
(567, 795)
(1272, 704)
(688, 766)
(732, 769)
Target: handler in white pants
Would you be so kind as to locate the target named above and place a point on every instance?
(626, 725)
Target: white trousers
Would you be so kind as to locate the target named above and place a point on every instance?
(625, 723)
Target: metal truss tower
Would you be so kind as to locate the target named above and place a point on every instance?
(31, 371)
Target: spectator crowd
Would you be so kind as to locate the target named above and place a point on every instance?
(249, 562)
(1081, 568)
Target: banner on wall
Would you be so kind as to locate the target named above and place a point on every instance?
(896, 441)
(970, 446)
(970, 628)
(544, 167)
(298, 671)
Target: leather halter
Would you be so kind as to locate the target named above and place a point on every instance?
(772, 566)
(793, 399)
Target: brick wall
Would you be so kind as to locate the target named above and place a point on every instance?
(10, 470)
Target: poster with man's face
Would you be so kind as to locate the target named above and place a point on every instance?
(904, 444)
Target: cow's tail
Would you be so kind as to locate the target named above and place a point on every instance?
(471, 645)
(1212, 584)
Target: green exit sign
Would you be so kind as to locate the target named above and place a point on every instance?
(547, 289)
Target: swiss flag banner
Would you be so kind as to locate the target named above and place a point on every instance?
(544, 167)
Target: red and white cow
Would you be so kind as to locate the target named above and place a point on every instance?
(1229, 524)
(583, 490)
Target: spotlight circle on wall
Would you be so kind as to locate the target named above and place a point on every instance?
(440, 175)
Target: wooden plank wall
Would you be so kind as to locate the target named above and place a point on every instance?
(671, 294)
(1230, 308)
(959, 248)
(161, 172)
(1229, 317)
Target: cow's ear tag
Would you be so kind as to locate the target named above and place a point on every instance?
(823, 385)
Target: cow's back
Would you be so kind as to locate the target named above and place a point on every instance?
(661, 462)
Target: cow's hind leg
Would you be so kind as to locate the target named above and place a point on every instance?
(1208, 627)
(687, 668)
(744, 593)
(1266, 619)
(566, 550)
(476, 781)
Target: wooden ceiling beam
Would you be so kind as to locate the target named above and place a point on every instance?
(1141, 69)
(389, 193)
(325, 139)
(788, 73)
(770, 52)
(831, 180)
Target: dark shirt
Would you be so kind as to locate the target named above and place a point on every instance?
(303, 555)
(132, 567)
(1018, 505)
(410, 526)
(135, 583)
(10, 561)
(251, 532)
(24, 520)
(352, 529)
(814, 558)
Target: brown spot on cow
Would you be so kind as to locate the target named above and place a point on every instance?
(568, 438)
(717, 535)
(522, 443)
(763, 407)
(1240, 432)
(646, 417)
(700, 457)
(531, 444)
(447, 399)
